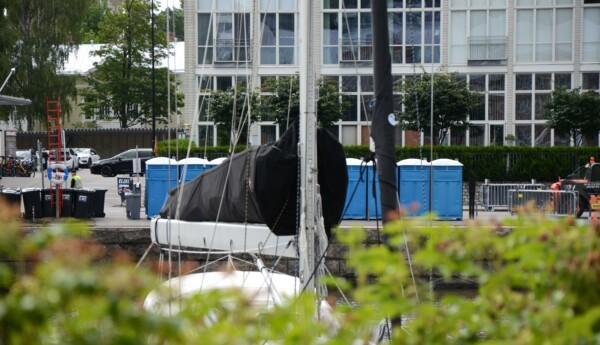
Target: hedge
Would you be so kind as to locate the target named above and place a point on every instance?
(497, 163)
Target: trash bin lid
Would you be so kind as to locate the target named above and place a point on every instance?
(11, 191)
(446, 162)
(218, 161)
(161, 161)
(193, 161)
(31, 189)
(412, 162)
(353, 161)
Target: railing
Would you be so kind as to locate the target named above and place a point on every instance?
(555, 202)
(494, 196)
(487, 48)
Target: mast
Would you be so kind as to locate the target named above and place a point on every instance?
(384, 120)
(307, 145)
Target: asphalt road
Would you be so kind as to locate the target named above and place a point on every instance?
(115, 213)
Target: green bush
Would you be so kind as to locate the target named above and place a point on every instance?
(497, 163)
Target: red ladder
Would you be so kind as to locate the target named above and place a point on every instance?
(53, 114)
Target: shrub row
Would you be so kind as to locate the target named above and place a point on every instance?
(497, 163)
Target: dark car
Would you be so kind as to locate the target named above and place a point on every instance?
(121, 163)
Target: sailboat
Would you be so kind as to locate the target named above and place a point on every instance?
(279, 200)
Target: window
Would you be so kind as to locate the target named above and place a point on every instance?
(477, 31)
(490, 92)
(544, 31)
(232, 37)
(278, 27)
(591, 34)
(590, 81)
(533, 93)
(205, 39)
(476, 135)
(414, 28)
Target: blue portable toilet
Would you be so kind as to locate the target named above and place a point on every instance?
(192, 168)
(356, 194)
(373, 200)
(447, 193)
(413, 182)
(161, 176)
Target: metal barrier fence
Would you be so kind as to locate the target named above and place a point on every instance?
(556, 202)
(494, 196)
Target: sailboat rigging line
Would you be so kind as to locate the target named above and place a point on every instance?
(337, 286)
(139, 263)
(355, 63)
(362, 171)
(289, 108)
(410, 265)
(374, 192)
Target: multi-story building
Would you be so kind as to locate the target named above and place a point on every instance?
(513, 53)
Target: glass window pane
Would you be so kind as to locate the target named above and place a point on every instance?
(413, 54)
(286, 56)
(497, 23)
(563, 34)
(524, 82)
(562, 80)
(350, 114)
(543, 81)
(204, 5)
(543, 32)
(562, 139)
(224, 83)
(524, 35)
(477, 82)
(459, 3)
(204, 29)
(269, 28)
(591, 81)
(330, 4)
(478, 113)
(542, 135)
(330, 29)
(458, 37)
(523, 135)
(349, 3)
(478, 23)
(286, 29)
(476, 135)
(268, 134)
(540, 105)
(458, 137)
(348, 135)
(497, 135)
(413, 3)
(523, 107)
(496, 107)
(395, 25)
(365, 3)
(225, 5)
(268, 56)
(330, 55)
(349, 84)
(287, 5)
(366, 83)
(496, 82)
(366, 108)
(413, 27)
(206, 135)
(591, 34)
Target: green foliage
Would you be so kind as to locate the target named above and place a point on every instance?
(90, 27)
(574, 113)
(175, 22)
(219, 108)
(452, 103)
(37, 37)
(211, 152)
(501, 163)
(176, 148)
(283, 106)
(121, 85)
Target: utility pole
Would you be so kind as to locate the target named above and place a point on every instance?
(153, 83)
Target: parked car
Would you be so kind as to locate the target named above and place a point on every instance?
(24, 155)
(121, 163)
(86, 156)
(69, 158)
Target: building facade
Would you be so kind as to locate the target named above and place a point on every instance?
(513, 53)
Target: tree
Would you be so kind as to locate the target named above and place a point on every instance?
(175, 22)
(37, 37)
(574, 113)
(91, 23)
(283, 105)
(120, 85)
(452, 103)
(218, 107)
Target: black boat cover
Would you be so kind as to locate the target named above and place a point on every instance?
(263, 186)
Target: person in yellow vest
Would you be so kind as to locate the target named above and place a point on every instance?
(76, 181)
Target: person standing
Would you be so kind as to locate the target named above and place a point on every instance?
(76, 181)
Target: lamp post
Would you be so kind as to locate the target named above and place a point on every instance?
(153, 84)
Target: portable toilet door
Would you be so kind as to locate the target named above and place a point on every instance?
(190, 168)
(373, 199)
(447, 191)
(356, 194)
(161, 176)
(413, 185)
